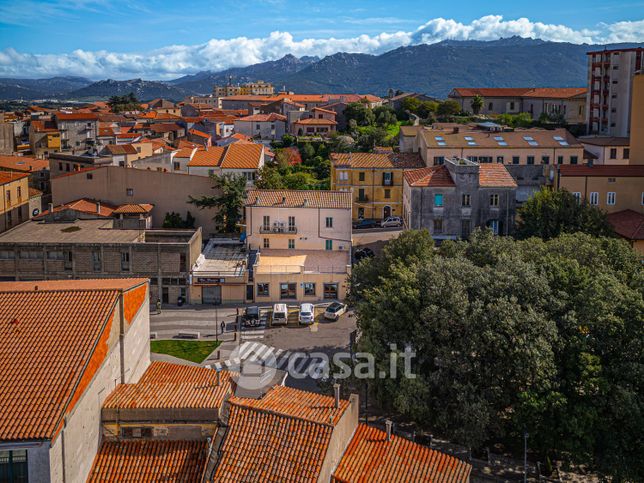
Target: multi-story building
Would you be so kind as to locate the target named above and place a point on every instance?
(637, 120)
(60, 163)
(610, 87)
(44, 138)
(452, 199)
(100, 247)
(607, 150)
(99, 331)
(303, 244)
(38, 170)
(262, 126)
(243, 159)
(14, 205)
(375, 181)
(257, 88)
(567, 102)
(78, 131)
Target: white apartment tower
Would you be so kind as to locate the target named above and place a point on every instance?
(610, 86)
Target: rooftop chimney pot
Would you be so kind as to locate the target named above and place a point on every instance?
(336, 392)
(388, 425)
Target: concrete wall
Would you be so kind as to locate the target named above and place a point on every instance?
(340, 438)
(167, 191)
(267, 130)
(628, 191)
(275, 279)
(637, 121)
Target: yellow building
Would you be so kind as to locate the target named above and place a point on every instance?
(637, 120)
(375, 180)
(14, 205)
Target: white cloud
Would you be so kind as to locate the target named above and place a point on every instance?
(219, 54)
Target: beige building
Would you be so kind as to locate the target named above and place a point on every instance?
(610, 79)
(302, 241)
(14, 205)
(607, 150)
(637, 120)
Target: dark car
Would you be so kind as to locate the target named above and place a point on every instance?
(366, 224)
(251, 316)
(362, 253)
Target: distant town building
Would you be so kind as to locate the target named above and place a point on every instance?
(257, 88)
(262, 126)
(38, 170)
(78, 131)
(610, 89)
(14, 205)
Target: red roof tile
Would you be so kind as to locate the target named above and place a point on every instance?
(133, 209)
(242, 156)
(536, 92)
(9, 176)
(210, 157)
(377, 160)
(23, 163)
(495, 176)
(76, 116)
(434, 176)
(311, 121)
(84, 205)
(616, 171)
(272, 117)
(150, 461)
(628, 224)
(200, 134)
(297, 198)
(371, 458)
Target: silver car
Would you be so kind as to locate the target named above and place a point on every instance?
(334, 311)
(392, 221)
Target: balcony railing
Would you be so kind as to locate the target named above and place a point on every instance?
(287, 229)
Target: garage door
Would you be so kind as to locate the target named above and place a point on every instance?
(211, 295)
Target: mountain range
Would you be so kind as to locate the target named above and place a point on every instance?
(431, 69)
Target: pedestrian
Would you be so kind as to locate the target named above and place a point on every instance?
(158, 306)
(223, 326)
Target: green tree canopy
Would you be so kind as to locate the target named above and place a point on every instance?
(128, 102)
(360, 113)
(448, 108)
(229, 202)
(477, 103)
(550, 213)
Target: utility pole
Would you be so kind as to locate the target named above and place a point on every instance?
(525, 456)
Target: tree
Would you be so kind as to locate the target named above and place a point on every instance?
(448, 108)
(229, 202)
(307, 151)
(477, 103)
(128, 102)
(288, 140)
(550, 213)
(174, 220)
(269, 178)
(360, 113)
(543, 336)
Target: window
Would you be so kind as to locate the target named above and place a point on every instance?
(613, 153)
(545, 159)
(176, 165)
(387, 194)
(69, 260)
(287, 290)
(60, 166)
(361, 176)
(560, 160)
(267, 243)
(31, 255)
(438, 225)
(262, 290)
(594, 198)
(309, 288)
(55, 255)
(490, 106)
(627, 153)
(512, 106)
(516, 159)
(577, 196)
(330, 291)
(129, 192)
(329, 222)
(125, 261)
(438, 160)
(494, 225)
(10, 254)
(387, 179)
(328, 244)
(610, 198)
(266, 222)
(466, 199)
(19, 193)
(343, 175)
(530, 160)
(361, 195)
(465, 229)
(291, 243)
(494, 200)
(573, 159)
(89, 176)
(438, 200)
(96, 261)
(291, 224)
(13, 466)
(499, 159)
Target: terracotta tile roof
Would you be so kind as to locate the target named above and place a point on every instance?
(433, 176)
(321, 109)
(186, 152)
(617, 170)
(149, 461)
(70, 319)
(297, 198)
(605, 141)
(76, 116)
(268, 447)
(377, 160)
(210, 157)
(242, 156)
(535, 92)
(315, 122)
(187, 144)
(495, 175)
(23, 163)
(106, 132)
(165, 127)
(628, 224)
(194, 132)
(520, 138)
(272, 117)
(120, 149)
(371, 458)
(9, 176)
(34, 193)
(128, 135)
(321, 98)
(132, 209)
(165, 385)
(84, 205)
(299, 404)
(241, 137)
(43, 126)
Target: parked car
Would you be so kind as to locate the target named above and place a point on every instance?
(362, 253)
(367, 223)
(392, 221)
(334, 311)
(251, 316)
(307, 314)
(280, 314)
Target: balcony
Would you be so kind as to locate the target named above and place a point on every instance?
(278, 228)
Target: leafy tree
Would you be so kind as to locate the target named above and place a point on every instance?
(411, 104)
(523, 119)
(128, 102)
(288, 140)
(269, 177)
(384, 115)
(307, 151)
(300, 180)
(550, 213)
(360, 113)
(477, 103)
(448, 108)
(229, 202)
(174, 220)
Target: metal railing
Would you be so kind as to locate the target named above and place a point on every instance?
(287, 229)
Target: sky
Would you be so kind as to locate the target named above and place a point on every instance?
(123, 39)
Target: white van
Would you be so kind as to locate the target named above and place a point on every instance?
(307, 315)
(280, 314)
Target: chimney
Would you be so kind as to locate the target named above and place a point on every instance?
(306, 203)
(283, 199)
(456, 129)
(51, 207)
(336, 392)
(218, 380)
(98, 207)
(388, 425)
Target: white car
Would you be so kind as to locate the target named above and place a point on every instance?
(391, 222)
(280, 314)
(307, 314)
(334, 311)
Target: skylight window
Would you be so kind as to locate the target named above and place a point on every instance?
(528, 138)
(439, 138)
(469, 138)
(533, 143)
(471, 143)
(502, 143)
(441, 143)
(498, 138)
(564, 143)
(558, 138)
